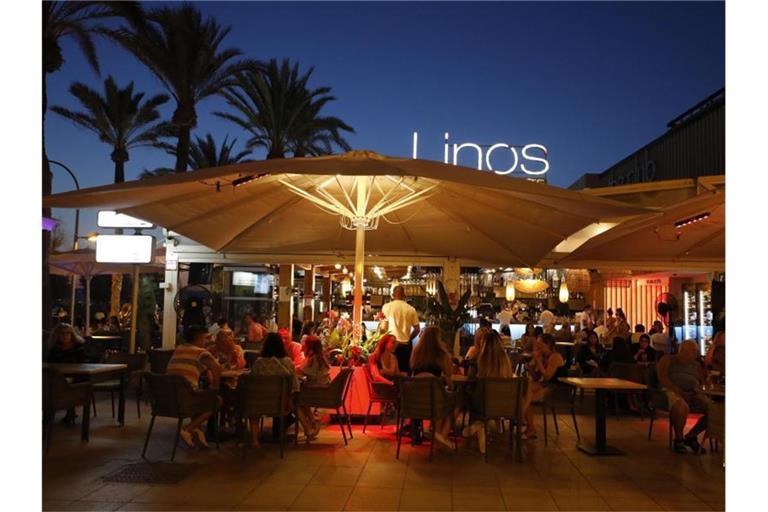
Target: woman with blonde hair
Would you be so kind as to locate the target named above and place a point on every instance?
(492, 362)
(229, 354)
(431, 357)
(470, 359)
(65, 345)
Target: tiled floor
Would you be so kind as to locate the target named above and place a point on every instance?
(326, 475)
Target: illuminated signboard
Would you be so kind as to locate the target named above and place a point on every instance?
(530, 159)
(125, 248)
(110, 219)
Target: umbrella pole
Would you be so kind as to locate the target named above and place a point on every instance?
(134, 308)
(87, 305)
(357, 308)
(72, 300)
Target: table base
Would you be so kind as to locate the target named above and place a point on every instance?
(594, 450)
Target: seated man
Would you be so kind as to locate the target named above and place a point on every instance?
(681, 375)
(190, 360)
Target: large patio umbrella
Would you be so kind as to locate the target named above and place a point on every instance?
(83, 263)
(688, 235)
(378, 205)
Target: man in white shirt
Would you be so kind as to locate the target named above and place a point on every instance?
(505, 316)
(586, 320)
(659, 339)
(403, 324)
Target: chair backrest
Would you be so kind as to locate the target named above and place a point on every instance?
(558, 395)
(159, 359)
(167, 393)
(339, 387)
(421, 397)
(263, 395)
(53, 384)
(566, 350)
(250, 357)
(502, 398)
(628, 371)
(135, 362)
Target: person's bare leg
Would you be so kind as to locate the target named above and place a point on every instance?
(530, 428)
(196, 422)
(678, 414)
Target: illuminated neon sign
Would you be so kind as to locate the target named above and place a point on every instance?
(531, 159)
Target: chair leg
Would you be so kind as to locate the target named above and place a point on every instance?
(348, 419)
(282, 434)
(93, 399)
(432, 442)
(146, 441)
(398, 434)
(365, 421)
(112, 398)
(176, 440)
(138, 405)
(670, 433)
(382, 413)
(485, 431)
(50, 417)
(86, 428)
(296, 433)
(343, 433)
(544, 411)
(650, 426)
(575, 424)
(554, 420)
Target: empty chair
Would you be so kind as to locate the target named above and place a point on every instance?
(171, 396)
(133, 382)
(58, 395)
(632, 372)
(378, 392)
(159, 359)
(263, 395)
(501, 399)
(558, 397)
(658, 401)
(422, 398)
(331, 396)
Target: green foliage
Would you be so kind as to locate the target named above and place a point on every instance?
(448, 318)
(281, 113)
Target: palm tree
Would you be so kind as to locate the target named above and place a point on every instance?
(183, 51)
(78, 21)
(281, 113)
(160, 171)
(119, 118)
(204, 154)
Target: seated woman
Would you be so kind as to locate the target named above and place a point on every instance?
(492, 362)
(65, 346)
(470, 359)
(274, 361)
(383, 363)
(430, 357)
(526, 342)
(715, 358)
(506, 336)
(546, 366)
(229, 354)
(642, 351)
(589, 356)
(316, 369)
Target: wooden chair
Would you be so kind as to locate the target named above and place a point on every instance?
(422, 398)
(136, 366)
(58, 394)
(501, 399)
(715, 425)
(332, 396)
(172, 397)
(657, 401)
(632, 372)
(379, 392)
(557, 397)
(159, 359)
(261, 395)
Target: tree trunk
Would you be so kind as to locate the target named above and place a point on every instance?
(114, 296)
(47, 187)
(119, 170)
(182, 148)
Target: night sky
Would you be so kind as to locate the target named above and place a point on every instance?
(591, 81)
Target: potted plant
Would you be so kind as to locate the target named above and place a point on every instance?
(448, 318)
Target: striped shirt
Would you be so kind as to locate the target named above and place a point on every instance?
(190, 361)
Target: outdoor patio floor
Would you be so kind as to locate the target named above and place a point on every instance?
(365, 475)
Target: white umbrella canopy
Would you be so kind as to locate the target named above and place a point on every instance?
(660, 242)
(462, 212)
(83, 263)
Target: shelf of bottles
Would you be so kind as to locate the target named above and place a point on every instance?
(697, 314)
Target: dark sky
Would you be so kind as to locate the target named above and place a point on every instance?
(591, 81)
